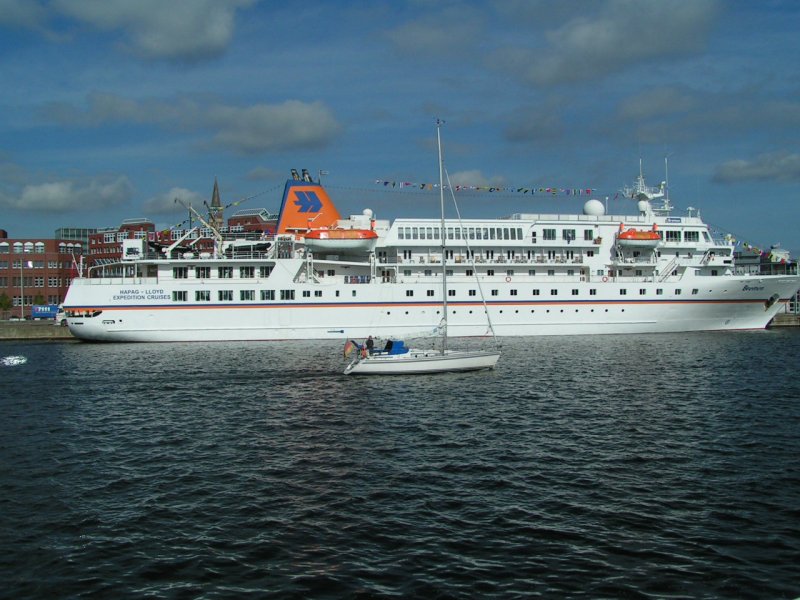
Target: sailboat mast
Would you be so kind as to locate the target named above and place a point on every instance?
(443, 236)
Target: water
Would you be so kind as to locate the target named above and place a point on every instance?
(660, 466)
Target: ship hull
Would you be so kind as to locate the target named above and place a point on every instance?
(731, 303)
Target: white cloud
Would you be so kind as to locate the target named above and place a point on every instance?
(622, 33)
(71, 195)
(22, 13)
(774, 166)
(244, 130)
(164, 204)
(263, 127)
(188, 30)
(474, 177)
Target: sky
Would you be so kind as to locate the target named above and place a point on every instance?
(112, 109)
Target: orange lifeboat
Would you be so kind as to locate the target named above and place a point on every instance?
(340, 239)
(639, 238)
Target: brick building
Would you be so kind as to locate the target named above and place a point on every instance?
(35, 271)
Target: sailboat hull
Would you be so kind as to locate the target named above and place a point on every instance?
(423, 361)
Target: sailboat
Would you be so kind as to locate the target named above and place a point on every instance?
(396, 358)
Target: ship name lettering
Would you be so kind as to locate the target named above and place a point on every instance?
(753, 288)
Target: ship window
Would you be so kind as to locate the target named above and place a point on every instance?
(568, 235)
(264, 272)
(180, 272)
(678, 292)
(247, 294)
(318, 293)
(451, 292)
(330, 272)
(430, 293)
(490, 272)
(531, 272)
(535, 292)
(268, 294)
(225, 295)
(225, 272)
(513, 292)
(202, 296)
(287, 294)
(202, 272)
(623, 292)
(407, 272)
(714, 272)
(469, 273)
(593, 292)
(179, 296)
(428, 272)
(409, 293)
(549, 234)
(671, 235)
(551, 272)
(659, 292)
(695, 292)
(691, 236)
(554, 292)
(415, 233)
(642, 291)
(472, 292)
(495, 292)
(247, 272)
(354, 293)
(574, 292)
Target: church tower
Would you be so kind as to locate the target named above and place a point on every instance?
(216, 218)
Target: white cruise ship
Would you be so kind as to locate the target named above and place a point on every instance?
(325, 277)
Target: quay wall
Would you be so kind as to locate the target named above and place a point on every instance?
(34, 330)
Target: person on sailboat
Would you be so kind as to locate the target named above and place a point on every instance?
(370, 343)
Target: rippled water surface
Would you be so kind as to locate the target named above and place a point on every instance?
(660, 466)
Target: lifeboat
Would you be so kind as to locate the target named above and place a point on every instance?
(638, 238)
(341, 239)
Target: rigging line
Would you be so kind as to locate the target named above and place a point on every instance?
(471, 257)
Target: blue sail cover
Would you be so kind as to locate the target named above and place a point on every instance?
(396, 347)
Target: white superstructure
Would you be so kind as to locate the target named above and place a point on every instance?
(540, 274)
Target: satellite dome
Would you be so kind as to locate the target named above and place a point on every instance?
(367, 212)
(644, 206)
(594, 208)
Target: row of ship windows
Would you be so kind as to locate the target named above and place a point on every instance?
(288, 295)
(222, 272)
(516, 233)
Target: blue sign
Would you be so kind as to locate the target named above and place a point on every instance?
(308, 202)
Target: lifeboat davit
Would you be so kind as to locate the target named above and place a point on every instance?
(638, 238)
(361, 240)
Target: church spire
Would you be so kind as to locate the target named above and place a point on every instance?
(216, 208)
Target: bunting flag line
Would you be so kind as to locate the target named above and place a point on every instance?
(553, 191)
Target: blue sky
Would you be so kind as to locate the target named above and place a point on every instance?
(110, 110)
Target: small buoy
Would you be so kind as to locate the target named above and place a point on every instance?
(13, 361)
